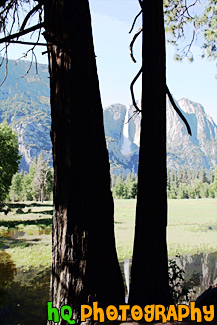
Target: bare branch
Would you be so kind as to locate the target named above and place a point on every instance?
(131, 90)
(29, 43)
(132, 43)
(134, 113)
(6, 66)
(187, 8)
(30, 13)
(192, 40)
(135, 21)
(8, 38)
(33, 55)
(178, 111)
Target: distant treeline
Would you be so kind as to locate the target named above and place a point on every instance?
(192, 184)
(124, 187)
(181, 184)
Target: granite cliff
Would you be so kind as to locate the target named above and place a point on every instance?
(24, 103)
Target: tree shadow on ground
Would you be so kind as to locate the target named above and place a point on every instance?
(38, 204)
(44, 222)
(50, 212)
(18, 205)
(47, 212)
(7, 242)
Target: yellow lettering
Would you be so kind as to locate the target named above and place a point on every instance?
(149, 313)
(124, 309)
(111, 312)
(209, 312)
(98, 311)
(172, 313)
(136, 313)
(85, 315)
(183, 312)
(194, 312)
(160, 311)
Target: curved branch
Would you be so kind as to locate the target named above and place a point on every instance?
(132, 43)
(187, 7)
(30, 13)
(8, 38)
(141, 3)
(135, 19)
(131, 90)
(177, 110)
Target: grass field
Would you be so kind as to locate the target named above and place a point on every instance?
(26, 236)
(192, 228)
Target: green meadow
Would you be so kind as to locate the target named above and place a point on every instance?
(26, 236)
(192, 226)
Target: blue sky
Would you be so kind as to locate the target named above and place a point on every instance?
(111, 22)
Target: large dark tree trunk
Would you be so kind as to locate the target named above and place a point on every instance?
(149, 275)
(84, 260)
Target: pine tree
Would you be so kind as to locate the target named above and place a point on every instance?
(202, 176)
(40, 177)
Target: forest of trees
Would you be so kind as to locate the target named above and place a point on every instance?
(36, 185)
(181, 184)
(191, 184)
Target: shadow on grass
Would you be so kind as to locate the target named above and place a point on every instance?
(38, 204)
(10, 242)
(50, 212)
(47, 212)
(43, 222)
(16, 205)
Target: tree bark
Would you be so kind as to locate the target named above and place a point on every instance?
(84, 260)
(149, 274)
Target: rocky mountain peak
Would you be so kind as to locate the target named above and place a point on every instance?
(25, 104)
(191, 107)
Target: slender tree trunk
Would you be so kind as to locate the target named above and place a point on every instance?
(149, 275)
(42, 192)
(84, 260)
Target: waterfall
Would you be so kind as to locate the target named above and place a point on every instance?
(126, 150)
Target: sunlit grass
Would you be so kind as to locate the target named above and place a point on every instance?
(192, 226)
(26, 237)
(36, 255)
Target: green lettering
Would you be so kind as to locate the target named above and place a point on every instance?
(68, 315)
(52, 311)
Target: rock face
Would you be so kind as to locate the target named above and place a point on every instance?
(24, 103)
(196, 151)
